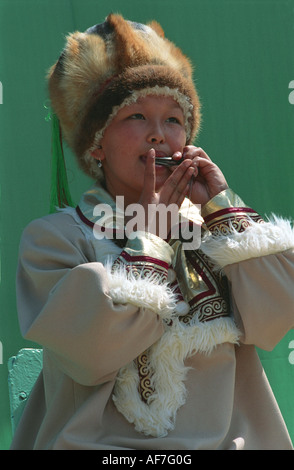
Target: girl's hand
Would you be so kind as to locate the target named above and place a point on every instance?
(208, 178)
(173, 192)
(198, 169)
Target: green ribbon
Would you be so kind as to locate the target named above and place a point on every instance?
(60, 193)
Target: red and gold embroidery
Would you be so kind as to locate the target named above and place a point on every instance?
(233, 218)
(142, 267)
(145, 387)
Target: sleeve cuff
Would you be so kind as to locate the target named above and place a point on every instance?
(139, 275)
(237, 233)
(146, 255)
(226, 212)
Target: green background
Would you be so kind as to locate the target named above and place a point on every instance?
(243, 52)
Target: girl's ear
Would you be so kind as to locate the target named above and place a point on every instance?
(97, 153)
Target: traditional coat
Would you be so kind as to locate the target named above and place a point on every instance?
(147, 345)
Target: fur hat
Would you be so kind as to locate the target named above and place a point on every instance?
(109, 66)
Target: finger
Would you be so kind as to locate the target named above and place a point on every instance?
(175, 188)
(210, 174)
(184, 187)
(203, 163)
(191, 152)
(149, 175)
(177, 155)
(185, 192)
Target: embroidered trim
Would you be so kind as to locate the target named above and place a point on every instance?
(233, 218)
(214, 302)
(229, 210)
(145, 388)
(143, 267)
(83, 218)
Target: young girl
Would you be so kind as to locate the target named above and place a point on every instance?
(147, 344)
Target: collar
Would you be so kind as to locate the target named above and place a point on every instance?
(89, 211)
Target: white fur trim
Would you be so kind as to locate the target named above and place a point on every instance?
(259, 239)
(144, 292)
(166, 358)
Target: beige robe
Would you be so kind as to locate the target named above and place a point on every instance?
(122, 369)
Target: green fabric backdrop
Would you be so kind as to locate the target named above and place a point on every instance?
(243, 51)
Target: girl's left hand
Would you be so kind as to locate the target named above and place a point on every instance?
(208, 178)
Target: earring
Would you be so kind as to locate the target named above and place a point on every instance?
(99, 163)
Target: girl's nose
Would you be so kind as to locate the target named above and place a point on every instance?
(156, 135)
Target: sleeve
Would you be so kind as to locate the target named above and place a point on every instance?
(78, 310)
(141, 279)
(257, 257)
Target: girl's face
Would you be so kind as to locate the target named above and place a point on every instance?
(152, 122)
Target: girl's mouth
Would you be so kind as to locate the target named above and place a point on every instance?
(162, 160)
(167, 161)
(158, 166)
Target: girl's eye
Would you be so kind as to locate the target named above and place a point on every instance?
(174, 120)
(137, 116)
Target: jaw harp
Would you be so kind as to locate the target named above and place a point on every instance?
(168, 161)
